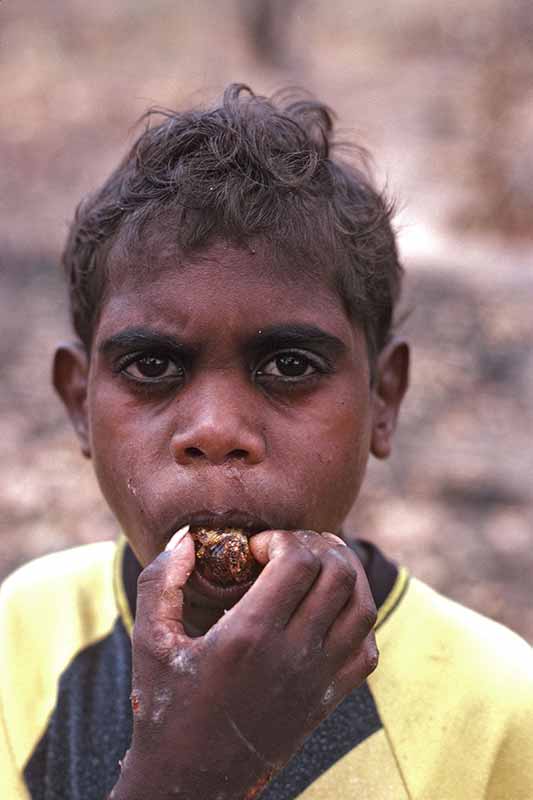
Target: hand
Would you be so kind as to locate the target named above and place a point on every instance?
(218, 715)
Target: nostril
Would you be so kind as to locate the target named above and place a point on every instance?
(237, 453)
(194, 452)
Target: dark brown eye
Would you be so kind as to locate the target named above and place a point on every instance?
(153, 368)
(292, 365)
(289, 365)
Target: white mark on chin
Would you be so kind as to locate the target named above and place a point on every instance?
(131, 487)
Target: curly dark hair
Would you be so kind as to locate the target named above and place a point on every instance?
(252, 169)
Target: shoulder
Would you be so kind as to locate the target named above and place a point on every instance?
(63, 597)
(466, 638)
(58, 577)
(74, 560)
(463, 685)
(430, 635)
(51, 609)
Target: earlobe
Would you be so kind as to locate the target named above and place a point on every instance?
(70, 379)
(391, 383)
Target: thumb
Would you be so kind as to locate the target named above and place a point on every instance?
(160, 590)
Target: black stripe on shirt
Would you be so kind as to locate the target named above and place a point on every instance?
(353, 721)
(77, 758)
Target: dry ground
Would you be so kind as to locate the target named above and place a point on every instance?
(455, 503)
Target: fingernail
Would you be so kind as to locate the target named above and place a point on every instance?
(177, 537)
(340, 541)
(334, 538)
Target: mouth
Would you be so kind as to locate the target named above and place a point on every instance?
(225, 568)
(221, 520)
(202, 591)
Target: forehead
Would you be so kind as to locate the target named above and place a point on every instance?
(224, 284)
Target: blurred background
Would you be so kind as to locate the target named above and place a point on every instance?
(442, 95)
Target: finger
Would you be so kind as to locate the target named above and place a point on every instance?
(355, 621)
(351, 676)
(290, 571)
(260, 542)
(327, 607)
(332, 590)
(359, 667)
(332, 537)
(159, 613)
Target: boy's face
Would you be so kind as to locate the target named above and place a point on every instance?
(219, 386)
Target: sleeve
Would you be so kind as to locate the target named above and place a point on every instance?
(512, 773)
(11, 782)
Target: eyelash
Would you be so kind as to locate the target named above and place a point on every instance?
(320, 367)
(319, 364)
(134, 358)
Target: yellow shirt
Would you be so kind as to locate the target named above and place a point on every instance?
(447, 715)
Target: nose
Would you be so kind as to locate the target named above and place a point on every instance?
(218, 425)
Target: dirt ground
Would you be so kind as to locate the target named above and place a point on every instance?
(434, 95)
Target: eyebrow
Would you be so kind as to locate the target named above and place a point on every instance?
(144, 338)
(264, 339)
(299, 334)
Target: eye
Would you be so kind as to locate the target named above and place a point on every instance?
(151, 368)
(289, 365)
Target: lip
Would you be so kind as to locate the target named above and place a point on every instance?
(224, 596)
(234, 518)
(249, 523)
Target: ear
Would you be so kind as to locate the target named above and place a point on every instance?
(70, 378)
(392, 379)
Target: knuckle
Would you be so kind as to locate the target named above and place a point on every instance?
(306, 537)
(153, 640)
(368, 616)
(308, 655)
(308, 563)
(253, 620)
(345, 574)
(243, 640)
(282, 539)
(151, 574)
(332, 537)
(371, 657)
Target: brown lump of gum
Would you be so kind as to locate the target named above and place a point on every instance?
(223, 555)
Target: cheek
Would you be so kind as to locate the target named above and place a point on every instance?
(125, 453)
(330, 467)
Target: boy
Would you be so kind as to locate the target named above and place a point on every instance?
(232, 289)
